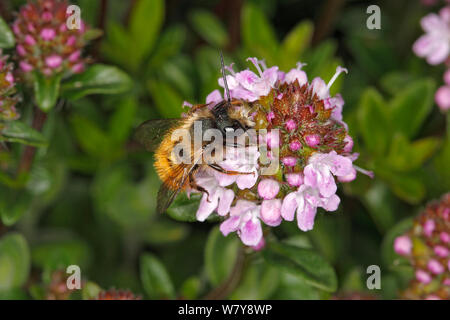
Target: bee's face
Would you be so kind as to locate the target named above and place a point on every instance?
(228, 120)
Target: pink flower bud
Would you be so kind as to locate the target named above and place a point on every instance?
(290, 125)
(349, 144)
(78, 68)
(270, 116)
(294, 179)
(289, 161)
(442, 98)
(428, 227)
(441, 251)
(10, 78)
(21, 50)
(48, 34)
(271, 212)
(53, 61)
(295, 145)
(25, 66)
(312, 140)
(268, 189)
(403, 245)
(72, 40)
(423, 276)
(447, 76)
(445, 237)
(29, 40)
(75, 56)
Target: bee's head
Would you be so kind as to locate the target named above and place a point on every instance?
(230, 119)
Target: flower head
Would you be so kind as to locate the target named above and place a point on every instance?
(299, 126)
(424, 247)
(44, 42)
(8, 99)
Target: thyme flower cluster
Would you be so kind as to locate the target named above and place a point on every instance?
(8, 98)
(427, 247)
(45, 43)
(312, 142)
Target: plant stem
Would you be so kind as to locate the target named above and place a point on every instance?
(26, 161)
(231, 283)
(326, 19)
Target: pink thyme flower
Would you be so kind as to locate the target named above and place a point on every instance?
(268, 189)
(296, 74)
(403, 245)
(244, 218)
(219, 198)
(247, 85)
(435, 44)
(305, 201)
(321, 168)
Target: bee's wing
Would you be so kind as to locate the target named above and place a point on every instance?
(166, 195)
(150, 133)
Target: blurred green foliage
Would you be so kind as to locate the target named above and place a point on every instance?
(90, 196)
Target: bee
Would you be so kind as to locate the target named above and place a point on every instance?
(157, 136)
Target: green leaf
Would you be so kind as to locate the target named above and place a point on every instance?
(381, 204)
(122, 120)
(220, 256)
(295, 43)
(410, 107)
(373, 122)
(6, 36)
(14, 261)
(169, 44)
(145, 23)
(13, 205)
(91, 138)
(60, 252)
(46, 90)
(259, 282)
(184, 209)
(305, 263)
(405, 185)
(167, 100)
(98, 79)
(406, 156)
(209, 27)
(17, 131)
(257, 34)
(191, 288)
(155, 278)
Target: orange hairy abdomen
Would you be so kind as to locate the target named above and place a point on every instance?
(171, 174)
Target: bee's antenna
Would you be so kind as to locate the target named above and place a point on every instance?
(224, 78)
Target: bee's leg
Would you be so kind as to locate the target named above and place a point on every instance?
(230, 172)
(193, 184)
